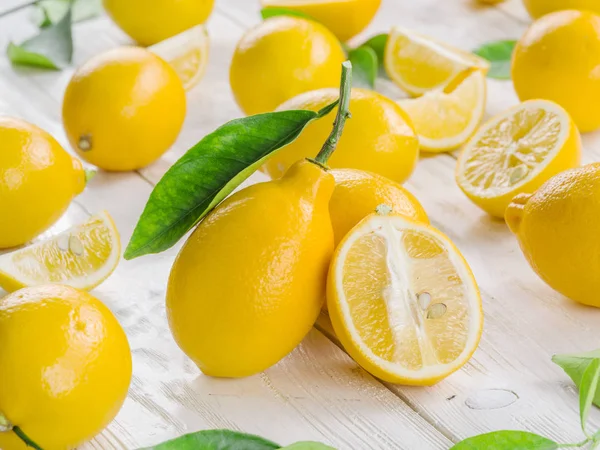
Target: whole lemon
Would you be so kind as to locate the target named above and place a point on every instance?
(557, 228)
(557, 59)
(38, 180)
(283, 57)
(123, 109)
(65, 367)
(379, 137)
(249, 282)
(151, 21)
(357, 194)
(538, 8)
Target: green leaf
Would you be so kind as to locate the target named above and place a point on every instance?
(378, 43)
(48, 12)
(499, 54)
(89, 175)
(587, 390)
(507, 440)
(209, 172)
(365, 66)
(575, 366)
(273, 11)
(216, 440)
(52, 48)
(308, 446)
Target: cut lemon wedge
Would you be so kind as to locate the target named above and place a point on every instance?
(419, 64)
(516, 152)
(403, 301)
(187, 53)
(82, 257)
(445, 118)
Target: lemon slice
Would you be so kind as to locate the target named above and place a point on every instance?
(403, 301)
(82, 257)
(187, 53)
(516, 152)
(419, 64)
(445, 118)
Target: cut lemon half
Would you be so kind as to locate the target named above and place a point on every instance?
(82, 257)
(187, 53)
(419, 64)
(403, 301)
(516, 152)
(445, 118)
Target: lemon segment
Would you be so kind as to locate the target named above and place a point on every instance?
(445, 120)
(516, 152)
(187, 53)
(419, 64)
(403, 301)
(81, 257)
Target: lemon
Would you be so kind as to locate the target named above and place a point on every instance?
(345, 18)
(38, 180)
(403, 301)
(83, 257)
(517, 151)
(557, 59)
(65, 367)
(357, 194)
(280, 58)
(445, 118)
(418, 63)
(151, 21)
(123, 109)
(557, 230)
(187, 53)
(379, 137)
(538, 8)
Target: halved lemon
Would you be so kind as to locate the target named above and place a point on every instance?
(445, 118)
(82, 257)
(419, 64)
(187, 53)
(516, 152)
(403, 301)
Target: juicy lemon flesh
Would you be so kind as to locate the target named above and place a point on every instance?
(406, 298)
(510, 152)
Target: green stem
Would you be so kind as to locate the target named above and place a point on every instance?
(6, 426)
(18, 8)
(343, 113)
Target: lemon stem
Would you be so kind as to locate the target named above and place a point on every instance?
(343, 113)
(6, 426)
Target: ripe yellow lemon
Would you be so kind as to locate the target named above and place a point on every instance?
(38, 180)
(123, 109)
(283, 57)
(403, 300)
(65, 367)
(151, 21)
(344, 18)
(379, 137)
(557, 59)
(557, 230)
(357, 194)
(538, 8)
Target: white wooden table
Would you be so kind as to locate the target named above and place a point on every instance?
(318, 392)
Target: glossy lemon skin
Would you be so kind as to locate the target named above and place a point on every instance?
(357, 194)
(65, 366)
(38, 180)
(538, 8)
(345, 19)
(123, 109)
(558, 233)
(557, 59)
(152, 21)
(379, 137)
(249, 282)
(280, 58)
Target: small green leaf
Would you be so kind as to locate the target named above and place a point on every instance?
(364, 64)
(308, 446)
(89, 175)
(216, 440)
(378, 43)
(587, 390)
(575, 366)
(507, 440)
(499, 54)
(52, 48)
(272, 11)
(209, 172)
(48, 12)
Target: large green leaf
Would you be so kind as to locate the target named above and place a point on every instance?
(587, 390)
(48, 12)
(365, 66)
(216, 440)
(507, 440)
(209, 172)
(575, 366)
